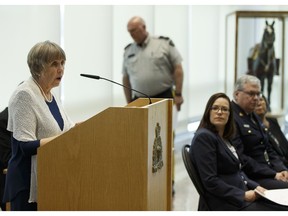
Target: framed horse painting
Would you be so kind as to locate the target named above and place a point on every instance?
(258, 48)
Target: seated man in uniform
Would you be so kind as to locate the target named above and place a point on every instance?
(251, 139)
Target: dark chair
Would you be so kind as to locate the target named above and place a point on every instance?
(3, 206)
(194, 176)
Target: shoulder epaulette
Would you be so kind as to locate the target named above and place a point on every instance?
(167, 38)
(162, 37)
(127, 46)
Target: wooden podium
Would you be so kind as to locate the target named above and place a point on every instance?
(120, 159)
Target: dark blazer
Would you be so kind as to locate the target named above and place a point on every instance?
(252, 140)
(220, 171)
(277, 139)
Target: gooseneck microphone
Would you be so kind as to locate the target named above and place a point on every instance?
(98, 78)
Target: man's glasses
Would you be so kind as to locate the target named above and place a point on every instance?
(252, 94)
(222, 109)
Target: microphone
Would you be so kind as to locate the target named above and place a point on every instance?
(98, 78)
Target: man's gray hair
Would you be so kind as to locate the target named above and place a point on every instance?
(244, 79)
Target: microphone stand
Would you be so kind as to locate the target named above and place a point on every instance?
(98, 77)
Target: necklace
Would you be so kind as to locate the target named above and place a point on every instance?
(43, 93)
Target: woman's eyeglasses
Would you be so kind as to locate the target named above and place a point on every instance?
(222, 109)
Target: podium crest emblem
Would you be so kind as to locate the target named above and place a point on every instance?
(157, 160)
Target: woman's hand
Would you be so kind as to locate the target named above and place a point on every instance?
(260, 190)
(44, 141)
(250, 196)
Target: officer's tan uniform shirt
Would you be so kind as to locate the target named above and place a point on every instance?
(150, 67)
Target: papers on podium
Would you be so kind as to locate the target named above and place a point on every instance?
(279, 196)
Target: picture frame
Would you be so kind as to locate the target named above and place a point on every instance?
(244, 29)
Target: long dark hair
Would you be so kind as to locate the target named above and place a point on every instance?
(268, 108)
(206, 123)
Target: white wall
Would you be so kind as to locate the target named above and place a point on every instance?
(203, 75)
(88, 36)
(94, 41)
(22, 27)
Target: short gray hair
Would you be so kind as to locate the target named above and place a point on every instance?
(41, 54)
(244, 79)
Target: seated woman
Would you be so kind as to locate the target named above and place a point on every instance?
(220, 167)
(276, 137)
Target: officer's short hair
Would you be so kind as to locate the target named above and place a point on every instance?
(244, 79)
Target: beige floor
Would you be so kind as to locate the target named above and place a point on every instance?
(186, 196)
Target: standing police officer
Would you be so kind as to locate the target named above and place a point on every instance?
(151, 65)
